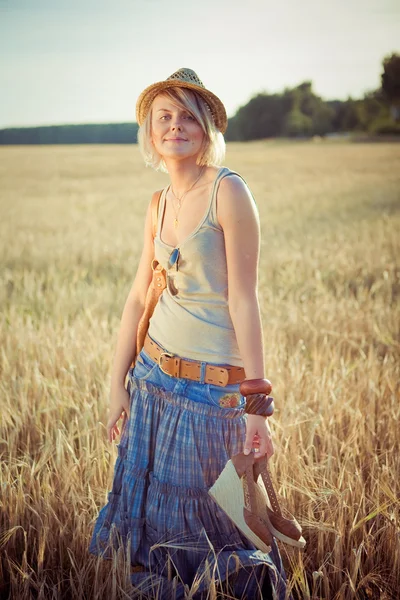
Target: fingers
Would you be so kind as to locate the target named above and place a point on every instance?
(112, 428)
(119, 408)
(259, 438)
(112, 432)
(262, 448)
(248, 444)
(266, 447)
(254, 442)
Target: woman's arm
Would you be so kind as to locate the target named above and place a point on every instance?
(126, 341)
(133, 309)
(238, 216)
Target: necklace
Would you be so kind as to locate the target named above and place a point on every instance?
(182, 197)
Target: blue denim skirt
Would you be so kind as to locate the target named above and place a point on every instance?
(176, 442)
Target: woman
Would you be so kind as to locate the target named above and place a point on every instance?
(182, 421)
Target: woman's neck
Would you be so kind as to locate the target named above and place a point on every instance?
(182, 175)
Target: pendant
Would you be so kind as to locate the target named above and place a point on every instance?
(176, 223)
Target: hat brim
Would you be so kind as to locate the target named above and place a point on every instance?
(147, 96)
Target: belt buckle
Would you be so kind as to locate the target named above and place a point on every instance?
(160, 361)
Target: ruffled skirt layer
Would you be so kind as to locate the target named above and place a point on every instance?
(171, 452)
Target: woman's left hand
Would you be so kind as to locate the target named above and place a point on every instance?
(258, 435)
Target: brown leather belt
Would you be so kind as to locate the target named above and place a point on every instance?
(175, 366)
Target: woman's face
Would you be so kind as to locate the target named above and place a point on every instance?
(175, 132)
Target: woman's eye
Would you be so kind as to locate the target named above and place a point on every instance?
(185, 116)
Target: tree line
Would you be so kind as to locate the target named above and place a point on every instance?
(296, 112)
(103, 133)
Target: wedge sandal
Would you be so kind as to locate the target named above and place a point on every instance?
(236, 492)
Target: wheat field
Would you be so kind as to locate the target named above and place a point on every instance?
(71, 225)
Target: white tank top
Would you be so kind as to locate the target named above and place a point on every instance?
(195, 322)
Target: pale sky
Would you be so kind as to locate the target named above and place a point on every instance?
(86, 61)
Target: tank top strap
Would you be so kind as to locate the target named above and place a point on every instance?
(161, 209)
(212, 216)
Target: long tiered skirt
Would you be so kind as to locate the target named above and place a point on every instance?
(176, 442)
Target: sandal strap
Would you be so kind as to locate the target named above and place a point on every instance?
(261, 468)
(244, 465)
(249, 487)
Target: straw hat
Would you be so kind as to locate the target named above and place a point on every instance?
(183, 78)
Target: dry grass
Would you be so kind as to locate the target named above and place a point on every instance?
(71, 221)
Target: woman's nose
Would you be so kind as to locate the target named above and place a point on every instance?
(176, 124)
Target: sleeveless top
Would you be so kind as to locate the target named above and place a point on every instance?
(191, 318)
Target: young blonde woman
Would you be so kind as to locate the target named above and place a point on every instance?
(184, 416)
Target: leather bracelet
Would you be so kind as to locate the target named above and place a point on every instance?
(259, 404)
(255, 386)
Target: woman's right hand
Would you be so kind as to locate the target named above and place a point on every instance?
(119, 407)
(258, 436)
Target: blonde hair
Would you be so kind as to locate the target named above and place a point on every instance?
(213, 151)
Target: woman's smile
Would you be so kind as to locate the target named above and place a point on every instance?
(176, 134)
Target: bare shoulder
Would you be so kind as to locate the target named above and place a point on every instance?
(234, 199)
(151, 214)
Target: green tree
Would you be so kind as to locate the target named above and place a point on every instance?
(371, 108)
(297, 124)
(314, 107)
(390, 79)
(262, 117)
(346, 117)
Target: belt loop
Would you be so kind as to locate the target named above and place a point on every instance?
(202, 371)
